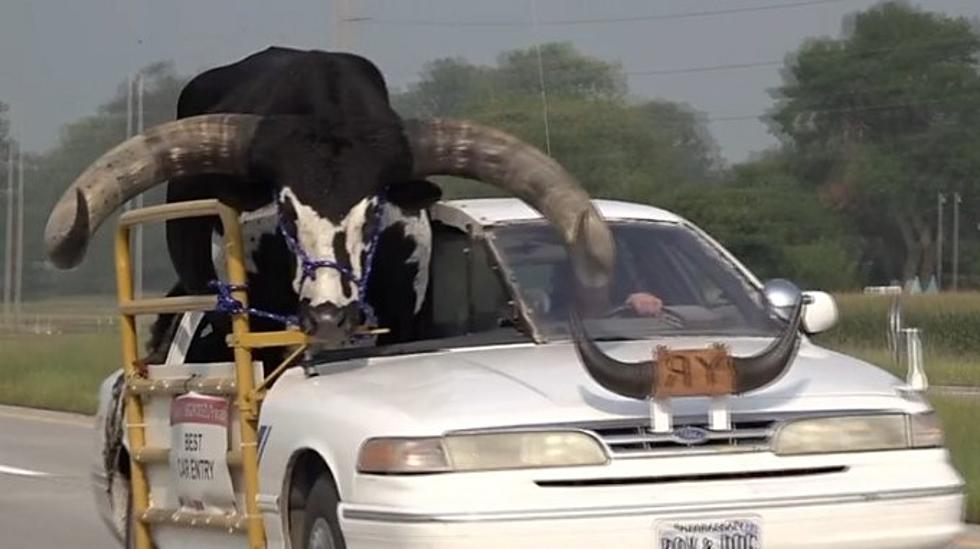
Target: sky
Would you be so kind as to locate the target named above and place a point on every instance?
(59, 59)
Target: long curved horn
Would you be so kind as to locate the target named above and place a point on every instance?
(638, 379)
(217, 143)
(466, 149)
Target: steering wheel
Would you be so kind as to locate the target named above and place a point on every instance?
(666, 314)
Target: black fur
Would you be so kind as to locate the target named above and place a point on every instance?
(332, 137)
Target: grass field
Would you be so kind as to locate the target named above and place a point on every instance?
(958, 414)
(58, 372)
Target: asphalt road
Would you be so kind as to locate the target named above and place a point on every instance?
(45, 497)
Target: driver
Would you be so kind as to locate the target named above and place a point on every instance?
(641, 303)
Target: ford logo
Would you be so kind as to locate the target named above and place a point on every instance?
(690, 435)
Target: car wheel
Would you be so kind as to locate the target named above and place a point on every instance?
(122, 509)
(321, 529)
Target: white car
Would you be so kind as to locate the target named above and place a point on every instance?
(488, 431)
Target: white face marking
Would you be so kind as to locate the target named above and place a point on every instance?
(255, 225)
(316, 236)
(419, 229)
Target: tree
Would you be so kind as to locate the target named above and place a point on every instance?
(616, 147)
(80, 143)
(763, 214)
(883, 119)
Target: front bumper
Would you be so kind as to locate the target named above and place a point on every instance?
(892, 520)
(883, 499)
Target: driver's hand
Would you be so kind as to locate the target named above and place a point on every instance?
(645, 304)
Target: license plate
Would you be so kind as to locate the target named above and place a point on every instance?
(720, 533)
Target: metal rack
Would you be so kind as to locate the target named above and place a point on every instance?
(247, 394)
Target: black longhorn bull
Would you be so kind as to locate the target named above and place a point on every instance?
(310, 137)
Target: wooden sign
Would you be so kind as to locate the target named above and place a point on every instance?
(693, 372)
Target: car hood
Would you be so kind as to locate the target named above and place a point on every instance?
(530, 384)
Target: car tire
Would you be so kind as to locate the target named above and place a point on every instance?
(122, 509)
(321, 528)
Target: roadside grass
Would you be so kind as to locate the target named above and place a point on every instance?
(60, 372)
(959, 417)
(73, 305)
(942, 368)
(949, 322)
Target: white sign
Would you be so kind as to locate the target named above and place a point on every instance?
(722, 533)
(199, 451)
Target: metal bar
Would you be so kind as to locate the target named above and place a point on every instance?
(176, 210)
(19, 250)
(158, 305)
(719, 414)
(235, 522)
(151, 455)
(661, 416)
(260, 390)
(208, 385)
(260, 340)
(956, 241)
(940, 200)
(134, 405)
(247, 400)
(8, 262)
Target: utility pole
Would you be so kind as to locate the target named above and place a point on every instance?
(342, 35)
(19, 251)
(544, 93)
(956, 240)
(940, 200)
(8, 260)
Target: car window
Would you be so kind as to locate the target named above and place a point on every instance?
(700, 289)
(466, 293)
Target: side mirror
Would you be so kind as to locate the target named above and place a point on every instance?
(820, 313)
(782, 296)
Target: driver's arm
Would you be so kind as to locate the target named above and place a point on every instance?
(645, 304)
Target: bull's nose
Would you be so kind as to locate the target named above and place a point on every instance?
(327, 321)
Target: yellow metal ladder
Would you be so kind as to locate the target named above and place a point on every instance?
(247, 394)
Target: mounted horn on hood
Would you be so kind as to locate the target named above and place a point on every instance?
(646, 379)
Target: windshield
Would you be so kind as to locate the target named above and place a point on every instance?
(694, 288)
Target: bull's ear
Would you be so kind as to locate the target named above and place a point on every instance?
(414, 195)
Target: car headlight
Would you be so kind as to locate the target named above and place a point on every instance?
(480, 452)
(857, 434)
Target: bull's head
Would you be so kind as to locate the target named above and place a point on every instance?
(327, 190)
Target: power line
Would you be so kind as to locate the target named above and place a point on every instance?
(575, 65)
(708, 68)
(592, 20)
(873, 107)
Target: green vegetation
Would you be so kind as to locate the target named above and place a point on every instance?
(950, 322)
(57, 372)
(959, 415)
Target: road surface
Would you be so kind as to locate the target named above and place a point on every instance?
(45, 498)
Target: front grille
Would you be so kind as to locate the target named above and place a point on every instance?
(634, 439)
(703, 477)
